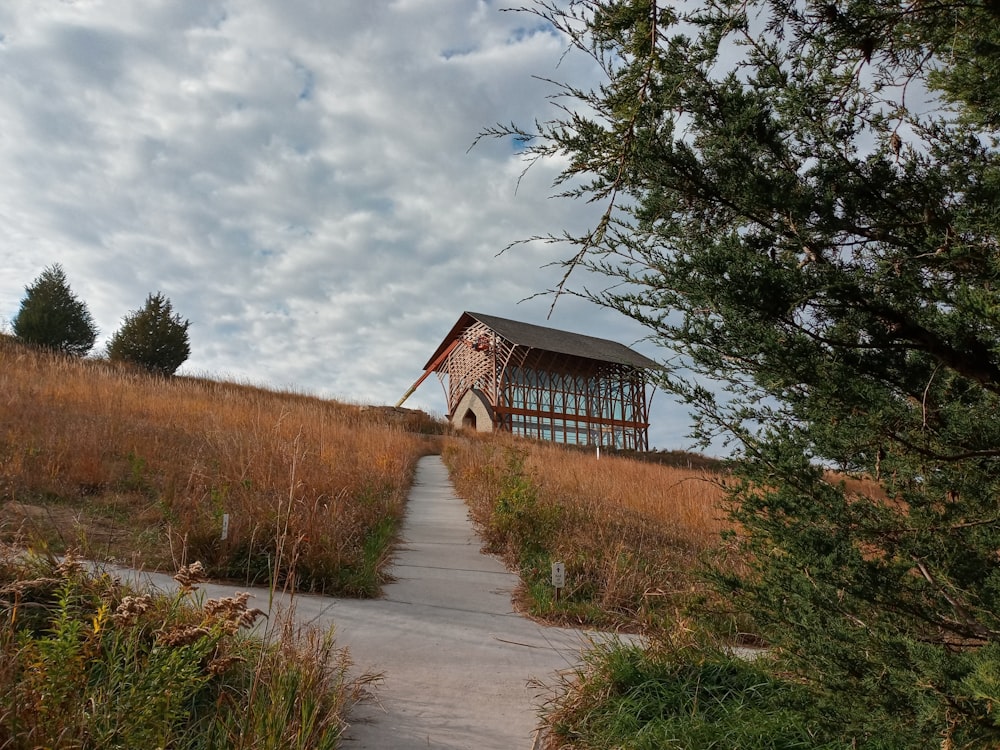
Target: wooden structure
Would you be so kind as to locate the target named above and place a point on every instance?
(539, 382)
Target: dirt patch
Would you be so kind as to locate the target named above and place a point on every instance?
(62, 527)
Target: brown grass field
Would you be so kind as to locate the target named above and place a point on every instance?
(631, 533)
(115, 464)
(122, 465)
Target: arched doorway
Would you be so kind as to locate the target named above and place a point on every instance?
(469, 420)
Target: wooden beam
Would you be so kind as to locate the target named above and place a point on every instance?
(584, 418)
(427, 372)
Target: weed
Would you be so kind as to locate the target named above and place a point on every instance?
(520, 522)
(136, 478)
(85, 663)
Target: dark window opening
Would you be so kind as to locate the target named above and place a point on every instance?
(469, 420)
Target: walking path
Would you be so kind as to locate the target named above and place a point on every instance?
(459, 664)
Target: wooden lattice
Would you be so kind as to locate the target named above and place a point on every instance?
(609, 399)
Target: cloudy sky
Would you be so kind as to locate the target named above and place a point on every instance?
(295, 175)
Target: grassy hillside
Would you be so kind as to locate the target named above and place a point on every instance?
(631, 533)
(123, 465)
(119, 465)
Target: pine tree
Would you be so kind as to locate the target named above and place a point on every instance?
(153, 337)
(52, 316)
(802, 201)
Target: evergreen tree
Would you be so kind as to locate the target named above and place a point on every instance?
(154, 337)
(51, 315)
(802, 200)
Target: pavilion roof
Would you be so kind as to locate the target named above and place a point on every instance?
(548, 339)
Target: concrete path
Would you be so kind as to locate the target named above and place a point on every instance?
(459, 664)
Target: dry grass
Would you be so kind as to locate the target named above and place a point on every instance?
(631, 533)
(129, 466)
(686, 501)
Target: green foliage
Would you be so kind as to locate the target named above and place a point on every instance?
(634, 698)
(524, 529)
(519, 519)
(85, 681)
(89, 664)
(362, 577)
(136, 480)
(53, 317)
(296, 698)
(803, 201)
(153, 337)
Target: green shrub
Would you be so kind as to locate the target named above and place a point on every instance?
(635, 698)
(520, 522)
(52, 316)
(153, 337)
(87, 663)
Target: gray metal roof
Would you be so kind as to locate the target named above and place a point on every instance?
(549, 339)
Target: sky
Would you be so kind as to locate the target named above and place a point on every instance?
(296, 177)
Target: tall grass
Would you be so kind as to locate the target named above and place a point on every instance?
(86, 663)
(143, 469)
(634, 537)
(630, 533)
(674, 696)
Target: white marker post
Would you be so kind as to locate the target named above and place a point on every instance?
(225, 526)
(558, 577)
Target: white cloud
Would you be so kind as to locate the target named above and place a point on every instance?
(295, 176)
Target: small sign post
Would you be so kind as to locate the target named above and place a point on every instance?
(558, 577)
(225, 526)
